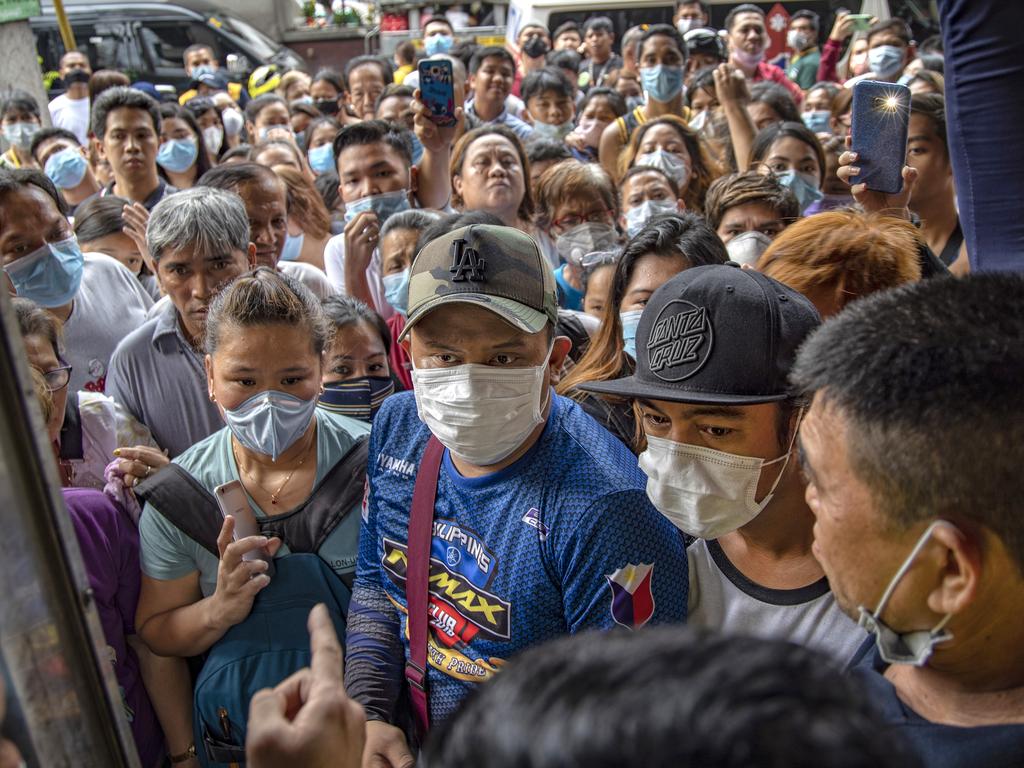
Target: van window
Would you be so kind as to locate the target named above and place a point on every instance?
(165, 41)
(108, 45)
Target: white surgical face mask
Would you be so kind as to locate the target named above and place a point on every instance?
(911, 648)
(704, 492)
(481, 413)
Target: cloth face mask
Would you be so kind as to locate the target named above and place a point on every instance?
(359, 398)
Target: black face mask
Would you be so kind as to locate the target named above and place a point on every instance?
(327, 106)
(535, 46)
(76, 76)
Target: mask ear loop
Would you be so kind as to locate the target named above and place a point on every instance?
(903, 569)
(784, 459)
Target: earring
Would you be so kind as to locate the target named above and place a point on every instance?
(213, 398)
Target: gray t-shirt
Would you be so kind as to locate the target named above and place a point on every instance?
(109, 305)
(723, 599)
(161, 380)
(167, 553)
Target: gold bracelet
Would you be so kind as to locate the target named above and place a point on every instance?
(185, 756)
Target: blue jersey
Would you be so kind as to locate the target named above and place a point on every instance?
(561, 541)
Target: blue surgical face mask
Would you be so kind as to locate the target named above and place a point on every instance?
(818, 120)
(177, 155)
(417, 149)
(556, 132)
(49, 276)
(321, 159)
(396, 291)
(671, 164)
(292, 247)
(436, 44)
(358, 398)
(270, 422)
(630, 320)
(385, 205)
(266, 129)
(805, 187)
(66, 168)
(202, 69)
(662, 83)
(21, 134)
(638, 216)
(885, 60)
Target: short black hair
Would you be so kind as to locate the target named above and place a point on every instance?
(564, 59)
(927, 379)
(390, 91)
(17, 179)
(257, 105)
(792, 129)
(599, 23)
(545, 79)
(701, 3)
(386, 72)
(744, 8)
(17, 100)
(118, 97)
(234, 175)
(666, 30)
(897, 26)
(100, 216)
(373, 132)
(343, 311)
(197, 47)
(933, 62)
(932, 106)
(615, 100)
(331, 76)
(683, 233)
(197, 105)
(778, 98)
(636, 170)
(565, 26)
(327, 186)
(463, 50)
(699, 698)
(48, 134)
(540, 150)
(487, 52)
(811, 16)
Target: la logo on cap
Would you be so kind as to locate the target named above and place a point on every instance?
(680, 341)
(466, 263)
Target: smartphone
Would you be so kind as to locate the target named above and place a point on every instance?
(861, 21)
(232, 501)
(881, 114)
(437, 90)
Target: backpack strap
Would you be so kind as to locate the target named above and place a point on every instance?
(421, 522)
(184, 502)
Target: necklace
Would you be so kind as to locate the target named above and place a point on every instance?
(276, 494)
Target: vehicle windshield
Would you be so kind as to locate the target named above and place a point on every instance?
(261, 45)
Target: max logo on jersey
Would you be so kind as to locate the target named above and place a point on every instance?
(461, 607)
(632, 598)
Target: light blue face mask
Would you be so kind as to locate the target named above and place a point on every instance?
(292, 247)
(202, 69)
(49, 276)
(266, 129)
(177, 155)
(396, 291)
(817, 120)
(803, 186)
(885, 60)
(385, 205)
(630, 320)
(638, 216)
(270, 422)
(66, 168)
(662, 83)
(672, 165)
(21, 134)
(321, 159)
(556, 132)
(436, 44)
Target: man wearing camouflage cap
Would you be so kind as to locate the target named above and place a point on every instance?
(541, 524)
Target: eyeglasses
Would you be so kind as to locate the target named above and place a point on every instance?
(574, 220)
(58, 378)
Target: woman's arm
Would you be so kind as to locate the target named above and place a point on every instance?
(169, 687)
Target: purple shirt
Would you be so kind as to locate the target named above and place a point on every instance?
(110, 552)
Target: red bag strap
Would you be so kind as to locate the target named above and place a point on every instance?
(421, 523)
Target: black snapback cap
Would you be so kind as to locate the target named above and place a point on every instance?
(716, 334)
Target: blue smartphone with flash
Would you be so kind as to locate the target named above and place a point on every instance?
(437, 90)
(881, 115)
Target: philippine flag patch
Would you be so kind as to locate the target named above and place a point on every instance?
(632, 598)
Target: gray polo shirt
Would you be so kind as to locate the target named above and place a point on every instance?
(157, 375)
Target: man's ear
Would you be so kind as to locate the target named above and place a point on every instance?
(250, 256)
(250, 130)
(101, 152)
(960, 579)
(559, 351)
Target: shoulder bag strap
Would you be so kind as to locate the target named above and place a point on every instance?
(421, 522)
(184, 502)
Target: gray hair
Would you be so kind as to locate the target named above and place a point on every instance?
(210, 221)
(417, 218)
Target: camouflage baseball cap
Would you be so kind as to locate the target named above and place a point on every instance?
(498, 268)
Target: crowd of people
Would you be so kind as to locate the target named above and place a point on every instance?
(614, 424)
